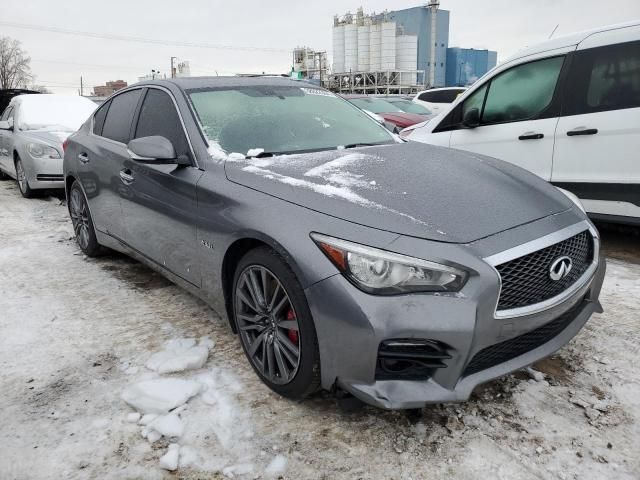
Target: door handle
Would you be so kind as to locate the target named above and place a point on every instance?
(83, 157)
(126, 177)
(531, 136)
(582, 131)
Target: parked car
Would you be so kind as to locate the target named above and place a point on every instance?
(390, 112)
(438, 99)
(32, 130)
(568, 110)
(408, 106)
(343, 256)
(7, 94)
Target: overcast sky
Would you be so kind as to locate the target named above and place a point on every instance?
(58, 60)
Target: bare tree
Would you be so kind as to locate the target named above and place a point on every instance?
(15, 69)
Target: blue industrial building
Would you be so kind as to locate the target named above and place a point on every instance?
(417, 21)
(466, 65)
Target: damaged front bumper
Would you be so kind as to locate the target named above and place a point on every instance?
(466, 344)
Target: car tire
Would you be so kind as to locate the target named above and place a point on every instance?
(267, 298)
(23, 181)
(83, 223)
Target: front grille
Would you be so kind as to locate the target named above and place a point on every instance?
(526, 280)
(410, 359)
(50, 177)
(501, 352)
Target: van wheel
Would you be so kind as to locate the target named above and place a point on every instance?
(23, 182)
(82, 222)
(275, 325)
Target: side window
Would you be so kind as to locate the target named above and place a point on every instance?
(426, 97)
(158, 116)
(604, 78)
(99, 117)
(117, 125)
(475, 100)
(523, 92)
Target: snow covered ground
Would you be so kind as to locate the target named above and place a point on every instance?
(109, 371)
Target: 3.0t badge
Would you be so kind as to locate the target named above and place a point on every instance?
(560, 268)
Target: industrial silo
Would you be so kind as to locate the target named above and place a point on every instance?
(363, 47)
(375, 47)
(388, 46)
(407, 57)
(350, 47)
(338, 48)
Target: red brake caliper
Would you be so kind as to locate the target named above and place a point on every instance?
(292, 334)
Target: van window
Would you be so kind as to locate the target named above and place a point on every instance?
(604, 78)
(475, 100)
(7, 112)
(522, 92)
(117, 125)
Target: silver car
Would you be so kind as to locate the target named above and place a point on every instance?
(32, 131)
(342, 256)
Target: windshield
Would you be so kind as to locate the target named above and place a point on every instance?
(54, 112)
(410, 107)
(375, 105)
(282, 119)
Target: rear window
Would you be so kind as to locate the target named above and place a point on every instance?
(441, 96)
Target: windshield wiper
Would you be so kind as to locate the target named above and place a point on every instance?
(361, 144)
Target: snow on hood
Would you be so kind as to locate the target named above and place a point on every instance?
(410, 189)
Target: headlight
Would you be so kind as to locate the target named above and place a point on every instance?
(38, 150)
(387, 273)
(573, 198)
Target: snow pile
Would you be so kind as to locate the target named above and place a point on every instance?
(179, 355)
(210, 432)
(160, 395)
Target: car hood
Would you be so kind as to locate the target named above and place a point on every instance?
(410, 189)
(51, 138)
(402, 118)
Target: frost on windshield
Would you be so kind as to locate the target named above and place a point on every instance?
(62, 113)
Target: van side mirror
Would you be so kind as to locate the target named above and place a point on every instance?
(155, 149)
(471, 118)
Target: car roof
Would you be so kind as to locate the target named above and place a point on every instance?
(189, 83)
(7, 94)
(566, 40)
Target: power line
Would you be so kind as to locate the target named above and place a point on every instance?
(128, 38)
(96, 65)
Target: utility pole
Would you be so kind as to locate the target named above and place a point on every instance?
(173, 71)
(81, 90)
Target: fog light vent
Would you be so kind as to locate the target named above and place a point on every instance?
(410, 358)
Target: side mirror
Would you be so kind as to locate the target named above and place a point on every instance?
(471, 118)
(155, 149)
(6, 125)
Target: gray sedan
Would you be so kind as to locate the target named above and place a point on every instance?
(32, 131)
(344, 258)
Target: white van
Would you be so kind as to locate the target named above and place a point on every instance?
(568, 110)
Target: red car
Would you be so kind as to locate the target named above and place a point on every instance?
(390, 112)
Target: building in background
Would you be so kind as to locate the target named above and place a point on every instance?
(400, 52)
(374, 54)
(108, 88)
(310, 65)
(466, 65)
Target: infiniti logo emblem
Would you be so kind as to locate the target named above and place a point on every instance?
(560, 268)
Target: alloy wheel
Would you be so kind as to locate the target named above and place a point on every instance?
(268, 324)
(22, 177)
(79, 217)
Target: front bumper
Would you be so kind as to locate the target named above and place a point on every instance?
(352, 326)
(44, 173)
